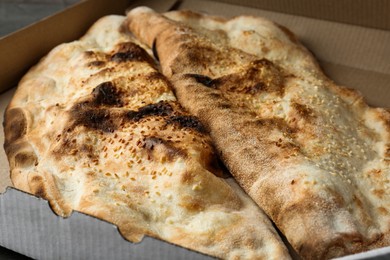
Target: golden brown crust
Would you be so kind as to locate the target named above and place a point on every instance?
(303, 148)
(103, 134)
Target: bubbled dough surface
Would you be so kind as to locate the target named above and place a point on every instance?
(312, 154)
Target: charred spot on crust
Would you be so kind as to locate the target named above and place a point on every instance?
(259, 76)
(303, 110)
(263, 62)
(106, 94)
(156, 76)
(129, 51)
(26, 159)
(214, 165)
(87, 149)
(186, 122)
(154, 49)
(37, 186)
(89, 113)
(96, 63)
(40, 192)
(224, 106)
(215, 96)
(99, 119)
(161, 108)
(257, 87)
(124, 56)
(165, 109)
(202, 79)
(225, 171)
(15, 124)
(200, 53)
(277, 123)
(89, 53)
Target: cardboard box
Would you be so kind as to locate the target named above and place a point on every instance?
(351, 40)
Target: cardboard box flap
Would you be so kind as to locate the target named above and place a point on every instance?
(375, 87)
(373, 14)
(53, 237)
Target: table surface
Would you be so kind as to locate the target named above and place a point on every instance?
(14, 15)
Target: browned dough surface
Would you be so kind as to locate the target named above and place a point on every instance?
(94, 127)
(312, 154)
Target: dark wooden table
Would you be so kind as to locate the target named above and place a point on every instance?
(14, 15)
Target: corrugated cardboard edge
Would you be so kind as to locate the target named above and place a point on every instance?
(377, 254)
(52, 237)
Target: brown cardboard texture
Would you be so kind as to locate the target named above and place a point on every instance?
(365, 13)
(353, 50)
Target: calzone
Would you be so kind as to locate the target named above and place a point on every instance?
(313, 155)
(94, 127)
